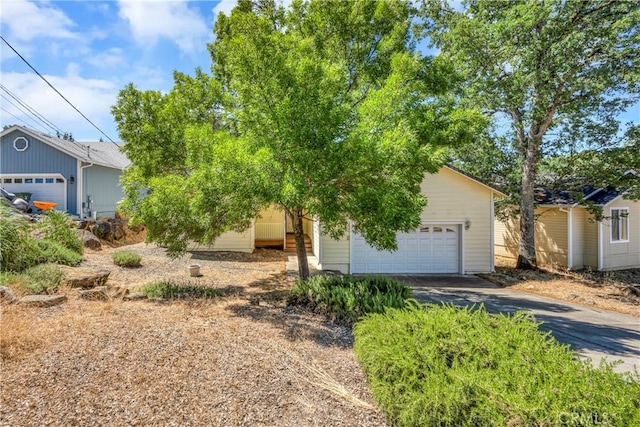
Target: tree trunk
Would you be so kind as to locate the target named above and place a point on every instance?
(527, 249)
(301, 251)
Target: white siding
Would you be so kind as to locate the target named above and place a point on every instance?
(334, 254)
(621, 255)
(270, 224)
(315, 242)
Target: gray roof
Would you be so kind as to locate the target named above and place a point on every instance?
(100, 153)
(588, 194)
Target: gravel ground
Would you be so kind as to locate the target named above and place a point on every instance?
(240, 360)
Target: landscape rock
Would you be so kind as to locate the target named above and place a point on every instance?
(7, 296)
(102, 229)
(118, 292)
(42, 300)
(76, 277)
(90, 240)
(95, 294)
(136, 296)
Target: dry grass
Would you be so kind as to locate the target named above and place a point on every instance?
(613, 290)
(221, 362)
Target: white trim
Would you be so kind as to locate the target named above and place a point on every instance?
(570, 237)
(492, 234)
(600, 247)
(611, 241)
(26, 141)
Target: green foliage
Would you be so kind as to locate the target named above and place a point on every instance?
(126, 259)
(42, 279)
(53, 252)
(179, 290)
(17, 249)
(348, 298)
(323, 108)
(446, 366)
(56, 226)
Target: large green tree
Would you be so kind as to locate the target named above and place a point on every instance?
(324, 109)
(554, 74)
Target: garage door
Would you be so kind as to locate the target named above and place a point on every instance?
(51, 188)
(431, 249)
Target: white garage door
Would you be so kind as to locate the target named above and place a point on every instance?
(431, 249)
(47, 187)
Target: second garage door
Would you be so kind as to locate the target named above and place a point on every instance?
(431, 249)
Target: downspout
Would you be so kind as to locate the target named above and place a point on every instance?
(81, 187)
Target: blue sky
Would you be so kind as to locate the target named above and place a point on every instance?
(89, 50)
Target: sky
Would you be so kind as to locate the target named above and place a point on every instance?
(89, 50)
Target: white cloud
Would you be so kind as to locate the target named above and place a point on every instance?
(109, 58)
(27, 20)
(94, 97)
(225, 7)
(171, 20)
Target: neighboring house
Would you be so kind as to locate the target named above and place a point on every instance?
(456, 234)
(567, 235)
(80, 177)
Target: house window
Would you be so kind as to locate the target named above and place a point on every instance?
(620, 225)
(7, 180)
(17, 181)
(28, 180)
(39, 180)
(49, 180)
(20, 143)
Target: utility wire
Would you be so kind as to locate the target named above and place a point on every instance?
(18, 118)
(26, 114)
(29, 109)
(58, 92)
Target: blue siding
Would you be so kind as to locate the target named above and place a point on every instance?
(39, 158)
(103, 186)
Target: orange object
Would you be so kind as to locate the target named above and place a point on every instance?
(45, 206)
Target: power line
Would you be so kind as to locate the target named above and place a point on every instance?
(18, 118)
(58, 92)
(30, 110)
(26, 113)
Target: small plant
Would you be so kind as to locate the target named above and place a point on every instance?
(53, 252)
(179, 290)
(43, 279)
(446, 366)
(347, 298)
(57, 227)
(18, 250)
(127, 259)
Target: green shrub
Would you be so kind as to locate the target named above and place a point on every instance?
(56, 226)
(445, 366)
(18, 250)
(53, 252)
(43, 279)
(126, 259)
(347, 298)
(179, 290)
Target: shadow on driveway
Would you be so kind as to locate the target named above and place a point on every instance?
(592, 333)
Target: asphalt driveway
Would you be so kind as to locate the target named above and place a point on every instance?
(592, 333)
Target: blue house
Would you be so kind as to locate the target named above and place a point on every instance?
(82, 178)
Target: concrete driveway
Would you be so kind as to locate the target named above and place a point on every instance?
(592, 333)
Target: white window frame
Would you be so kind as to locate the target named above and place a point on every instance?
(623, 225)
(21, 139)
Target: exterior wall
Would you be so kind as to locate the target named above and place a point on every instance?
(39, 158)
(270, 224)
(454, 198)
(579, 217)
(621, 255)
(590, 244)
(551, 237)
(102, 190)
(230, 241)
(315, 242)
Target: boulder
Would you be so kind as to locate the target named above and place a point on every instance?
(7, 296)
(118, 292)
(90, 240)
(102, 229)
(95, 294)
(78, 277)
(42, 300)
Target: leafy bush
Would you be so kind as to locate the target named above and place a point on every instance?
(445, 366)
(53, 252)
(347, 298)
(56, 226)
(126, 259)
(178, 290)
(43, 279)
(17, 249)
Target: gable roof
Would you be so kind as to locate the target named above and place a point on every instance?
(99, 153)
(475, 179)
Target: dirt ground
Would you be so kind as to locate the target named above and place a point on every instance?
(243, 359)
(612, 290)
